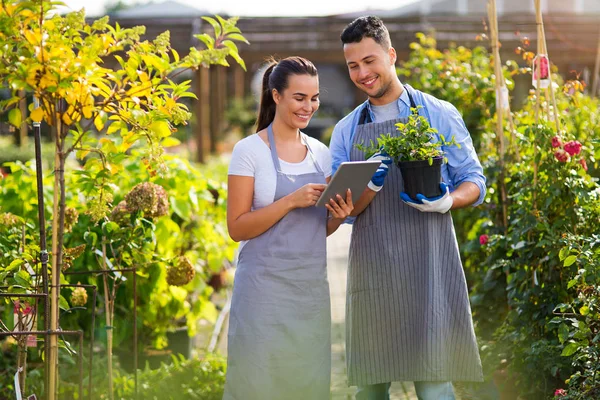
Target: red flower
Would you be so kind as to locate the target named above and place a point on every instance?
(583, 163)
(573, 147)
(560, 393)
(556, 142)
(561, 155)
(483, 239)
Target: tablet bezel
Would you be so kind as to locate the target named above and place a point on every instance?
(353, 175)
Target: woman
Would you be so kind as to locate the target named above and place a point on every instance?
(279, 326)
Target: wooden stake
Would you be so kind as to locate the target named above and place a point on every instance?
(493, 23)
(596, 70)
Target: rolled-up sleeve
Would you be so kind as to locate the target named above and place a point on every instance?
(337, 147)
(463, 163)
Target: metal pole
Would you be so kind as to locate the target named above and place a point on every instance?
(37, 131)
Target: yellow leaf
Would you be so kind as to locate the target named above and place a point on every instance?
(82, 153)
(67, 119)
(87, 111)
(160, 128)
(170, 142)
(37, 114)
(100, 121)
(14, 117)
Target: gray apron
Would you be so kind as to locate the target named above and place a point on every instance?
(408, 316)
(279, 344)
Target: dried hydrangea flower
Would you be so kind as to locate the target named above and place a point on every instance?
(181, 272)
(149, 198)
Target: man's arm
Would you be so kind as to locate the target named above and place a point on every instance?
(464, 169)
(465, 195)
(363, 202)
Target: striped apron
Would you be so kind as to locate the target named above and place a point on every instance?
(408, 316)
(279, 344)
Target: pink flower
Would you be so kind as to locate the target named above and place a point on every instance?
(556, 142)
(483, 239)
(561, 155)
(583, 163)
(573, 147)
(560, 393)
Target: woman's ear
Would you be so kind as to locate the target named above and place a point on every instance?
(276, 96)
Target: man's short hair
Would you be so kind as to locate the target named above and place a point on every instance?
(371, 27)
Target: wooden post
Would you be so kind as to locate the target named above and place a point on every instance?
(214, 108)
(239, 89)
(500, 111)
(202, 113)
(595, 85)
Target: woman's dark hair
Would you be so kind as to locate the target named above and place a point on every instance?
(277, 77)
(371, 27)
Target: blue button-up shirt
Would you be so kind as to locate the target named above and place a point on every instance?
(463, 164)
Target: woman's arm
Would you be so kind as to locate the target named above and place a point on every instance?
(244, 224)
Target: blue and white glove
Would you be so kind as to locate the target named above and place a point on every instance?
(376, 182)
(441, 204)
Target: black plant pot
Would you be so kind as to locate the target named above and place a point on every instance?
(420, 177)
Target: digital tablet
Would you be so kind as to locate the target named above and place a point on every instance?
(353, 175)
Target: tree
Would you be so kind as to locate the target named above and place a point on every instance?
(60, 60)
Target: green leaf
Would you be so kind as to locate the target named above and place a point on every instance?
(15, 264)
(563, 333)
(238, 37)
(585, 310)
(570, 261)
(14, 117)
(564, 252)
(63, 304)
(216, 26)
(207, 40)
(23, 278)
(570, 349)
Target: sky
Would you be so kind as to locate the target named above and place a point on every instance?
(258, 8)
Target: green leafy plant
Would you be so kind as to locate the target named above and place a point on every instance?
(416, 141)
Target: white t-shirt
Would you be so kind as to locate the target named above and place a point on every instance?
(252, 157)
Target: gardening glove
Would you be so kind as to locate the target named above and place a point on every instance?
(376, 182)
(441, 204)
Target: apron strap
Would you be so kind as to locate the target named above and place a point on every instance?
(365, 115)
(275, 157)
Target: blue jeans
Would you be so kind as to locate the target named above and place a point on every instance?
(425, 391)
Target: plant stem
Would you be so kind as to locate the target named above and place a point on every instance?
(109, 321)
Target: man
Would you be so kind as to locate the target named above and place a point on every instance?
(407, 312)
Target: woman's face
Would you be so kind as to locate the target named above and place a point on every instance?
(299, 101)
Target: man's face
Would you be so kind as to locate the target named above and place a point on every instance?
(371, 67)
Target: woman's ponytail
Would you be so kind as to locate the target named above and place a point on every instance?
(266, 110)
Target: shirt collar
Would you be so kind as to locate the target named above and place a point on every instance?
(402, 99)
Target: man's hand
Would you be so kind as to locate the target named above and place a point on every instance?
(378, 178)
(441, 204)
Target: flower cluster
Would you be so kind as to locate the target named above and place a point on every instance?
(181, 272)
(8, 220)
(79, 297)
(149, 198)
(71, 217)
(483, 239)
(564, 152)
(560, 393)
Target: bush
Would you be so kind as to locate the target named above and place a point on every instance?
(198, 379)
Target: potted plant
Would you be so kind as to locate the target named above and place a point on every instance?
(416, 152)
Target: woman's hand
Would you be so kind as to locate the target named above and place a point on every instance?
(307, 195)
(340, 208)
